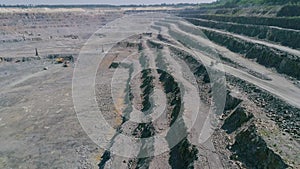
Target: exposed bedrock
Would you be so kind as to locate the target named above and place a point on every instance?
(183, 154)
(289, 38)
(283, 62)
(236, 120)
(291, 23)
(253, 151)
(285, 115)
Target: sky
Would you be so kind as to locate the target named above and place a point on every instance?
(113, 2)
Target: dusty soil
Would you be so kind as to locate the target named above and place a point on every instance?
(40, 128)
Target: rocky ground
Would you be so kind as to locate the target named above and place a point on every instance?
(39, 128)
(164, 80)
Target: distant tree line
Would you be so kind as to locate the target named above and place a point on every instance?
(236, 3)
(289, 10)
